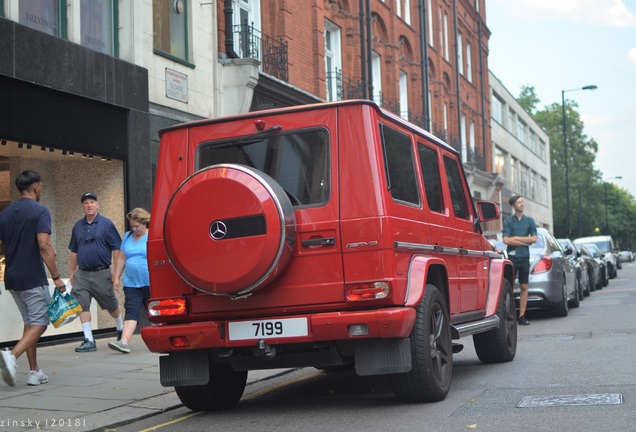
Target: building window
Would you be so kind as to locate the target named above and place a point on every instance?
(512, 123)
(446, 48)
(376, 72)
(445, 121)
(403, 8)
(521, 131)
(500, 162)
(47, 16)
(462, 132)
(497, 108)
(430, 111)
(431, 38)
(525, 181)
(98, 25)
(514, 175)
(542, 149)
(460, 54)
(471, 136)
(333, 61)
(246, 17)
(543, 191)
(404, 95)
(469, 63)
(170, 28)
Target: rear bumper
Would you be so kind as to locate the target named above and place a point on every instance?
(330, 326)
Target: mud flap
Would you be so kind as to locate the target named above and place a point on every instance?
(184, 368)
(382, 356)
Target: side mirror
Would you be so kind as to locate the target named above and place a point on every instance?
(487, 210)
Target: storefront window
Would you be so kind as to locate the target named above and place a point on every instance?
(98, 21)
(170, 28)
(44, 15)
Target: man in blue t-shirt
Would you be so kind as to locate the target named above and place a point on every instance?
(519, 232)
(94, 242)
(25, 233)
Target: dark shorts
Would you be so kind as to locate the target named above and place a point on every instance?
(33, 305)
(522, 268)
(136, 299)
(96, 285)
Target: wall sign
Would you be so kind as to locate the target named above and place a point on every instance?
(176, 85)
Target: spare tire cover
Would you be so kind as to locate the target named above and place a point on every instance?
(229, 229)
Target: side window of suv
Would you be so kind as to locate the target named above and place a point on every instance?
(429, 164)
(456, 186)
(399, 165)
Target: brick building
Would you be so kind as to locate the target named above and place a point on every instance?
(372, 49)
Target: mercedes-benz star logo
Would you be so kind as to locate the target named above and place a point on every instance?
(218, 230)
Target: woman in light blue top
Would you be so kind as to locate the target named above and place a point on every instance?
(133, 258)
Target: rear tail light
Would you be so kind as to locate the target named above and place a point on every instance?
(367, 291)
(544, 265)
(167, 307)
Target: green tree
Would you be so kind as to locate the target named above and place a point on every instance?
(594, 204)
(583, 177)
(528, 99)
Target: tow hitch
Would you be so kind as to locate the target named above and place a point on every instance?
(264, 351)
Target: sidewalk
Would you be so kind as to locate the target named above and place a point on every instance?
(90, 391)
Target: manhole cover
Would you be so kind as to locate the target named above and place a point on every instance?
(571, 400)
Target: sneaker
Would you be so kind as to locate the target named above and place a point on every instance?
(120, 346)
(523, 320)
(8, 364)
(37, 378)
(87, 346)
(119, 333)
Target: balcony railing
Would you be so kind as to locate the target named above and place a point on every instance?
(270, 52)
(476, 156)
(339, 87)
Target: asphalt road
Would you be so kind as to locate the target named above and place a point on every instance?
(576, 373)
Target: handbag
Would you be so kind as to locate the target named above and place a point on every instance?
(63, 308)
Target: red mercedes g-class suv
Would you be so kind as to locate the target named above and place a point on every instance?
(326, 235)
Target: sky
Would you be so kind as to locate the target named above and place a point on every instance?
(556, 45)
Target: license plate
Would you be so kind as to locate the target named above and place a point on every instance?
(266, 329)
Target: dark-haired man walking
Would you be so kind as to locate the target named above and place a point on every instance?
(519, 232)
(25, 232)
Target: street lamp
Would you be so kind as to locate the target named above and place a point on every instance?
(606, 213)
(565, 155)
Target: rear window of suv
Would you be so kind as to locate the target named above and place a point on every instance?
(298, 161)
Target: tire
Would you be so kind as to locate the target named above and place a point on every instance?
(605, 278)
(561, 309)
(500, 344)
(223, 391)
(611, 270)
(591, 284)
(430, 377)
(575, 302)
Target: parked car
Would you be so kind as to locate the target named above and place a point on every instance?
(595, 267)
(626, 256)
(580, 265)
(326, 235)
(552, 283)
(607, 248)
(600, 258)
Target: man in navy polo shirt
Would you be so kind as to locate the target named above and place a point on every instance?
(519, 232)
(93, 243)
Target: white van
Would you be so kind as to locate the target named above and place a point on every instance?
(606, 245)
